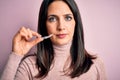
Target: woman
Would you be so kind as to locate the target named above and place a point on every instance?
(62, 56)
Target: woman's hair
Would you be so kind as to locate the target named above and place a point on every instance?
(81, 60)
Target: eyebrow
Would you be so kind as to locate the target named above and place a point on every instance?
(51, 15)
(56, 15)
(69, 14)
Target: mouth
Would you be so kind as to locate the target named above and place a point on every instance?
(61, 36)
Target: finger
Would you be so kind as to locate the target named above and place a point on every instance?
(35, 34)
(29, 33)
(35, 41)
(25, 33)
(32, 34)
(19, 35)
(24, 30)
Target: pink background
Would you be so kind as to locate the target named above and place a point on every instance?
(101, 20)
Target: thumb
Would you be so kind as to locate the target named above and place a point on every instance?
(35, 41)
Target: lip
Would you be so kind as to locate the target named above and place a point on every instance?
(61, 36)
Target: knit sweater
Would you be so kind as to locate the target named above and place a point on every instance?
(27, 69)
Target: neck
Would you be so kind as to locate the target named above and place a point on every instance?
(62, 50)
(62, 56)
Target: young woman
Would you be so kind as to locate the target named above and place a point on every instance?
(60, 57)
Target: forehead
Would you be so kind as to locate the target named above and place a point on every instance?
(59, 7)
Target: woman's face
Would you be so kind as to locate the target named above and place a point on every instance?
(60, 22)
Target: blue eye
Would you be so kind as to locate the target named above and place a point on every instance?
(68, 18)
(52, 19)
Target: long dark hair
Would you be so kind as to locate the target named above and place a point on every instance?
(81, 60)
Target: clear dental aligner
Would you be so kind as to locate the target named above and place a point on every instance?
(46, 37)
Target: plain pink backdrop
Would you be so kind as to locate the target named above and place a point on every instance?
(101, 20)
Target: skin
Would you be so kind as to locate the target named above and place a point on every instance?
(22, 42)
(60, 22)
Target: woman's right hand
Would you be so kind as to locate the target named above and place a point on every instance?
(22, 42)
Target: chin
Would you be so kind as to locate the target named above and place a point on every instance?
(62, 42)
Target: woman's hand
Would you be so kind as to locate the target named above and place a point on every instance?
(22, 42)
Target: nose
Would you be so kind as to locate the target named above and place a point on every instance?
(61, 25)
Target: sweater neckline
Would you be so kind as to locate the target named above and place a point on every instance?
(62, 50)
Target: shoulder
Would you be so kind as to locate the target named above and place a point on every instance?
(100, 67)
(98, 60)
(29, 65)
(30, 59)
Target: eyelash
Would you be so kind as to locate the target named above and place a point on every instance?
(53, 19)
(68, 18)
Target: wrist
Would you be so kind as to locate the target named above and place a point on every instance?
(17, 53)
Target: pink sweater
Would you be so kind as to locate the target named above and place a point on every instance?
(27, 69)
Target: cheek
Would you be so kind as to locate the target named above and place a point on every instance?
(50, 28)
(71, 29)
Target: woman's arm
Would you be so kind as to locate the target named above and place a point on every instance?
(11, 67)
(22, 43)
(27, 69)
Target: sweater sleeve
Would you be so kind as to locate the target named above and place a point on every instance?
(24, 70)
(11, 67)
(27, 69)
